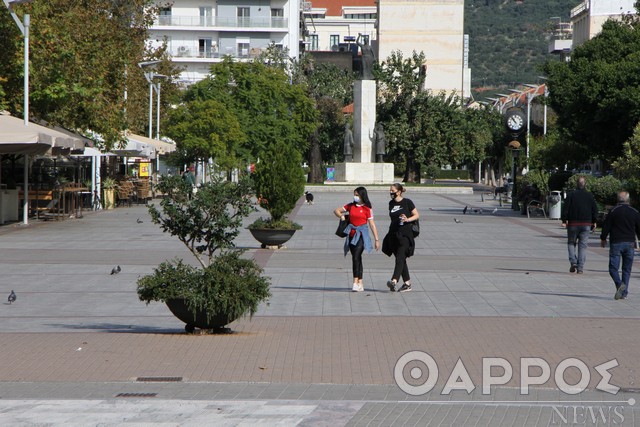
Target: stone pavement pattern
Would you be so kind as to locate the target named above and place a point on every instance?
(495, 285)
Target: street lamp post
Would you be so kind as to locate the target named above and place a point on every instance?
(24, 29)
(515, 152)
(149, 77)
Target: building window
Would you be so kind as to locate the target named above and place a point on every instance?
(313, 42)
(360, 16)
(334, 42)
(205, 16)
(164, 16)
(244, 17)
(204, 48)
(243, 50)
(277, 18)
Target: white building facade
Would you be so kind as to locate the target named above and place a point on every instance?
(335, 25)
(587, 18)
(435, 27)
(201, 32)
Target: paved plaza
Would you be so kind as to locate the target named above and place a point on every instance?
(79, 348)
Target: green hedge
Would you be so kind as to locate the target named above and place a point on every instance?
(453, 174)
(605, 190)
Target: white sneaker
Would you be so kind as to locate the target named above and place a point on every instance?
(355, 288)
(360, 287)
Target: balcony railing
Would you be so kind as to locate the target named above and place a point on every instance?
(185, 52)
(217, 21)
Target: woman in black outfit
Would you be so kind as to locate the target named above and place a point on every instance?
(399, 240)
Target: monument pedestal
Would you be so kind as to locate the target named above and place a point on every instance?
(364, 173)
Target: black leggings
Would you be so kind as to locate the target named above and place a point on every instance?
(356, 256)
(401, 259)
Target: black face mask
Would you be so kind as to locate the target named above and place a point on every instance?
(393, 195)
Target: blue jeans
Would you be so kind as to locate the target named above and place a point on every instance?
(624, 250)
(578, 235)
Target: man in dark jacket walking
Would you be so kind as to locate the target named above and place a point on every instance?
(579, 216)
(623, 226)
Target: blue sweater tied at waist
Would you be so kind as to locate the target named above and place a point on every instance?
(362, 231)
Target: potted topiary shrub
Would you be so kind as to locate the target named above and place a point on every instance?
(279, 180)
(225, 286)
(109, 186)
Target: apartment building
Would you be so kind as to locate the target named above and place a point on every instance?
(201, 32)
(334, 25)
(587, 18)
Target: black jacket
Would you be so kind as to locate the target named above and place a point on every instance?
(622, 223)
(579, 209)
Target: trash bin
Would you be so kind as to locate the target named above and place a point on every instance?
(555, 205)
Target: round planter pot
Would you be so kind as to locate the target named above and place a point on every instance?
(196, 320)
(271, 237)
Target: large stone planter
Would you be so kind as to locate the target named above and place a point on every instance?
(108, 198)
(196, 320)
(271, 237)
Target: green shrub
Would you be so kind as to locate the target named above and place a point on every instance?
(539, 178)
(573, 180)
(230, 285)
(453, 174)
(279, 180)
(605, 189)
(431, 171)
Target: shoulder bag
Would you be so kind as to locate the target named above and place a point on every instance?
(415, 228)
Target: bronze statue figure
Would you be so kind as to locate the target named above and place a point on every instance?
(381, 143)
(368, 59)
(348, 143)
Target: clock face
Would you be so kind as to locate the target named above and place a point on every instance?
(515, 121)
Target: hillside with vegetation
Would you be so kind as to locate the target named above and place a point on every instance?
(508, 39)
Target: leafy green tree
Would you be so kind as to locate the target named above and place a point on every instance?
(427, 129)
(279, 179)
(597, 94)
(83, 57)
(268, 107)
(331, 88)
(627, 166)
(207, 129)
(400, 83)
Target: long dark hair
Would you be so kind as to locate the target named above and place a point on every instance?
(364, 197)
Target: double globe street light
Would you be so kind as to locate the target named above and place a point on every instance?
(150, 76)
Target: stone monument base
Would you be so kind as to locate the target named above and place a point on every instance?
(364, 173)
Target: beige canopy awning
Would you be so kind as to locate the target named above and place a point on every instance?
(16, 138)
(161, 147)
(134, 149)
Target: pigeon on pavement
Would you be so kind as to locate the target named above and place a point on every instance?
(464, 211)
(457, 221)
(12, 297)
(116, 270)
(139, 221)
